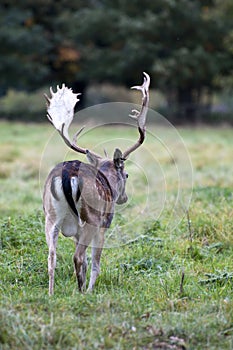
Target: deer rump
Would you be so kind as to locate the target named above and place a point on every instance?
(80, 190)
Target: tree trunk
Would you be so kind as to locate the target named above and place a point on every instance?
(187, 105)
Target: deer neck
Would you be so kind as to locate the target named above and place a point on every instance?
(111, 179)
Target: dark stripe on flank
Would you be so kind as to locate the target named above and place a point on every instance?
(67, 189)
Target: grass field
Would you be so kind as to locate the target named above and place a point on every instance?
(167, 277)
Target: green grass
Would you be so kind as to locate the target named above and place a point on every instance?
(140, 301)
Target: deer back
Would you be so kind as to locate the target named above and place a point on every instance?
(85, 191)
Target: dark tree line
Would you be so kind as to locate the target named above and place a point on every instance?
(185, 45)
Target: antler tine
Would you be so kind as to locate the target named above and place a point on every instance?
(47, 100)
(78, 133)
(70, 144)
(140, 116)
(51, 91)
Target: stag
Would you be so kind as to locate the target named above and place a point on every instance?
(79, 198)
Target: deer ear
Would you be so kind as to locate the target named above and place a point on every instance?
(92, 158)
(118, 158)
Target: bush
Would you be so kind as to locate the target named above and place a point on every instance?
(20, 105)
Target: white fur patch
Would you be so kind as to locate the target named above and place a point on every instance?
(74, 186)
(58, 187)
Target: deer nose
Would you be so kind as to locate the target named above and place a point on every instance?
(122, 199)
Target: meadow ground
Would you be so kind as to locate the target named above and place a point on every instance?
(167, 272)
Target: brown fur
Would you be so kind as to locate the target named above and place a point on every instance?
(79, 201)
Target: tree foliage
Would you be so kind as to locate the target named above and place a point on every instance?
(186, 45)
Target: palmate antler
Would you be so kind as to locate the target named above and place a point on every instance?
(60, 112)
(140, 116)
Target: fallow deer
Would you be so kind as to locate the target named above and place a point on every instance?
(79, 198)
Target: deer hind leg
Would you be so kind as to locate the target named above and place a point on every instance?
(97, 248)
(52, 232)
(80, 265)
(80, 259)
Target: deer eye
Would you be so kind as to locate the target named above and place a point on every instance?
(126, 175)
